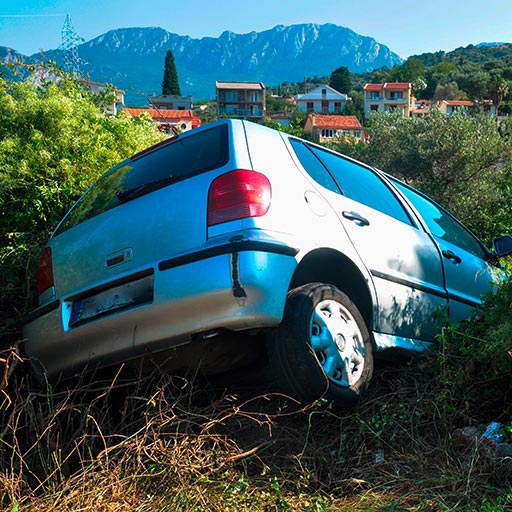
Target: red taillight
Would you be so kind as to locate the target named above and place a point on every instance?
(237, 195)
(45, 271)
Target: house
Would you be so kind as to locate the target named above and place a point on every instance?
(452, 106)
(488, 107)
(98, 88)
(388, 97)
(283, 118)
(171, 102)
(324, 128)
(244, 100)
(169, 121)
(323, 99)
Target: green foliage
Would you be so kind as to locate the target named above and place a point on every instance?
(356, 106)
(296, 126)
(206, 110)
(476, 360)
(412, 69)
(340, 80)
(463, 162)
(170, 83)
(278, 104)
(54, 142)
(471, 72)
(448, 91)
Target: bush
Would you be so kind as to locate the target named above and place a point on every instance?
(55, 141)
(463, 162)
(476, 359)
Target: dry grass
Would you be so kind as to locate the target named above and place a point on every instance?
(169, 443)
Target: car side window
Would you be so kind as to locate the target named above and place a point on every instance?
(363, 185)
(313, 166)
(441, 224)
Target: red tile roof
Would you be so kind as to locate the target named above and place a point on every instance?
(397, 85)
(387, 85)
(336, 122)
(165, 116)
(373, 87)
(459, 102)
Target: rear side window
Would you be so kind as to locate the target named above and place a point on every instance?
(336, 173)
(313, 166)
(181, 158)
(362, 185)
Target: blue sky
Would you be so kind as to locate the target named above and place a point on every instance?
(27, 25)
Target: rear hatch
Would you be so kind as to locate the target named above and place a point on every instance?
(150, 207)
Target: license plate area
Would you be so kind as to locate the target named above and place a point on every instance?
(104, 302)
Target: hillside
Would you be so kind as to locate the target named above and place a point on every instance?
(132, 58)
(478, 54)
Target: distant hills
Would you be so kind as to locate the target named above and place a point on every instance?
(133, 58)
(478, 54)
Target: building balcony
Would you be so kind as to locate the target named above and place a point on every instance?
(241, 112)
(397, 100)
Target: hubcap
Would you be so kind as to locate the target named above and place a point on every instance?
(337, 342)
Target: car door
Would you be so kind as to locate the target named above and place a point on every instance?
(469, 272)
(404, 262)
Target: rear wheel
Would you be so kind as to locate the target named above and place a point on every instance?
(322, 349)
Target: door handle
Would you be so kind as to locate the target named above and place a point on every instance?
(358, 219)
(452, 256)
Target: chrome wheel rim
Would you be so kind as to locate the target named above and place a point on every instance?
(337, 343)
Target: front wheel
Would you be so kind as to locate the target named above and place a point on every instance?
(322, 349)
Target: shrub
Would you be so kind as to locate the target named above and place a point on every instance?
(463, 162)
(476, 359)
(55, 141)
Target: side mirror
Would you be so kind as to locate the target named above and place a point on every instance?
(502, 245)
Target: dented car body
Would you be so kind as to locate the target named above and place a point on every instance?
(237, 228)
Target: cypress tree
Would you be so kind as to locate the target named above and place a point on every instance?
(170, 84)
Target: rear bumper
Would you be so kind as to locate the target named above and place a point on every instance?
(236, 286)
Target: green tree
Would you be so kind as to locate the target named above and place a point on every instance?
(54, 142)
(340, 80)
(356, 106)
(449, 91)
(463, 162)
(170, 84)
(499, 89)
(413, 69)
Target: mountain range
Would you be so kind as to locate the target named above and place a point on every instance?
(133, 58)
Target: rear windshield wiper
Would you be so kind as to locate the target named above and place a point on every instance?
(145, 188)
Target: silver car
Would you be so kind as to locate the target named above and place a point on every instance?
(233, 238)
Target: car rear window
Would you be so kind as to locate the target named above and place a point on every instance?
(178, 159)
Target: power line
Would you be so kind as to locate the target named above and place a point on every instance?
(30, 15)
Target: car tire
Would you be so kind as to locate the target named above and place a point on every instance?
(322, 349)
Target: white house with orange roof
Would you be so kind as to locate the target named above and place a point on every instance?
(325, 128)
(453, 106)
(388, 97)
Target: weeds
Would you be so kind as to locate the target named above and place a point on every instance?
(476, 360)
(170, 443)
(123, 442)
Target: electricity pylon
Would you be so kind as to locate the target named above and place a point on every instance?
(70, 42)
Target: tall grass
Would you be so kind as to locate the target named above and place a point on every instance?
(164, 442)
